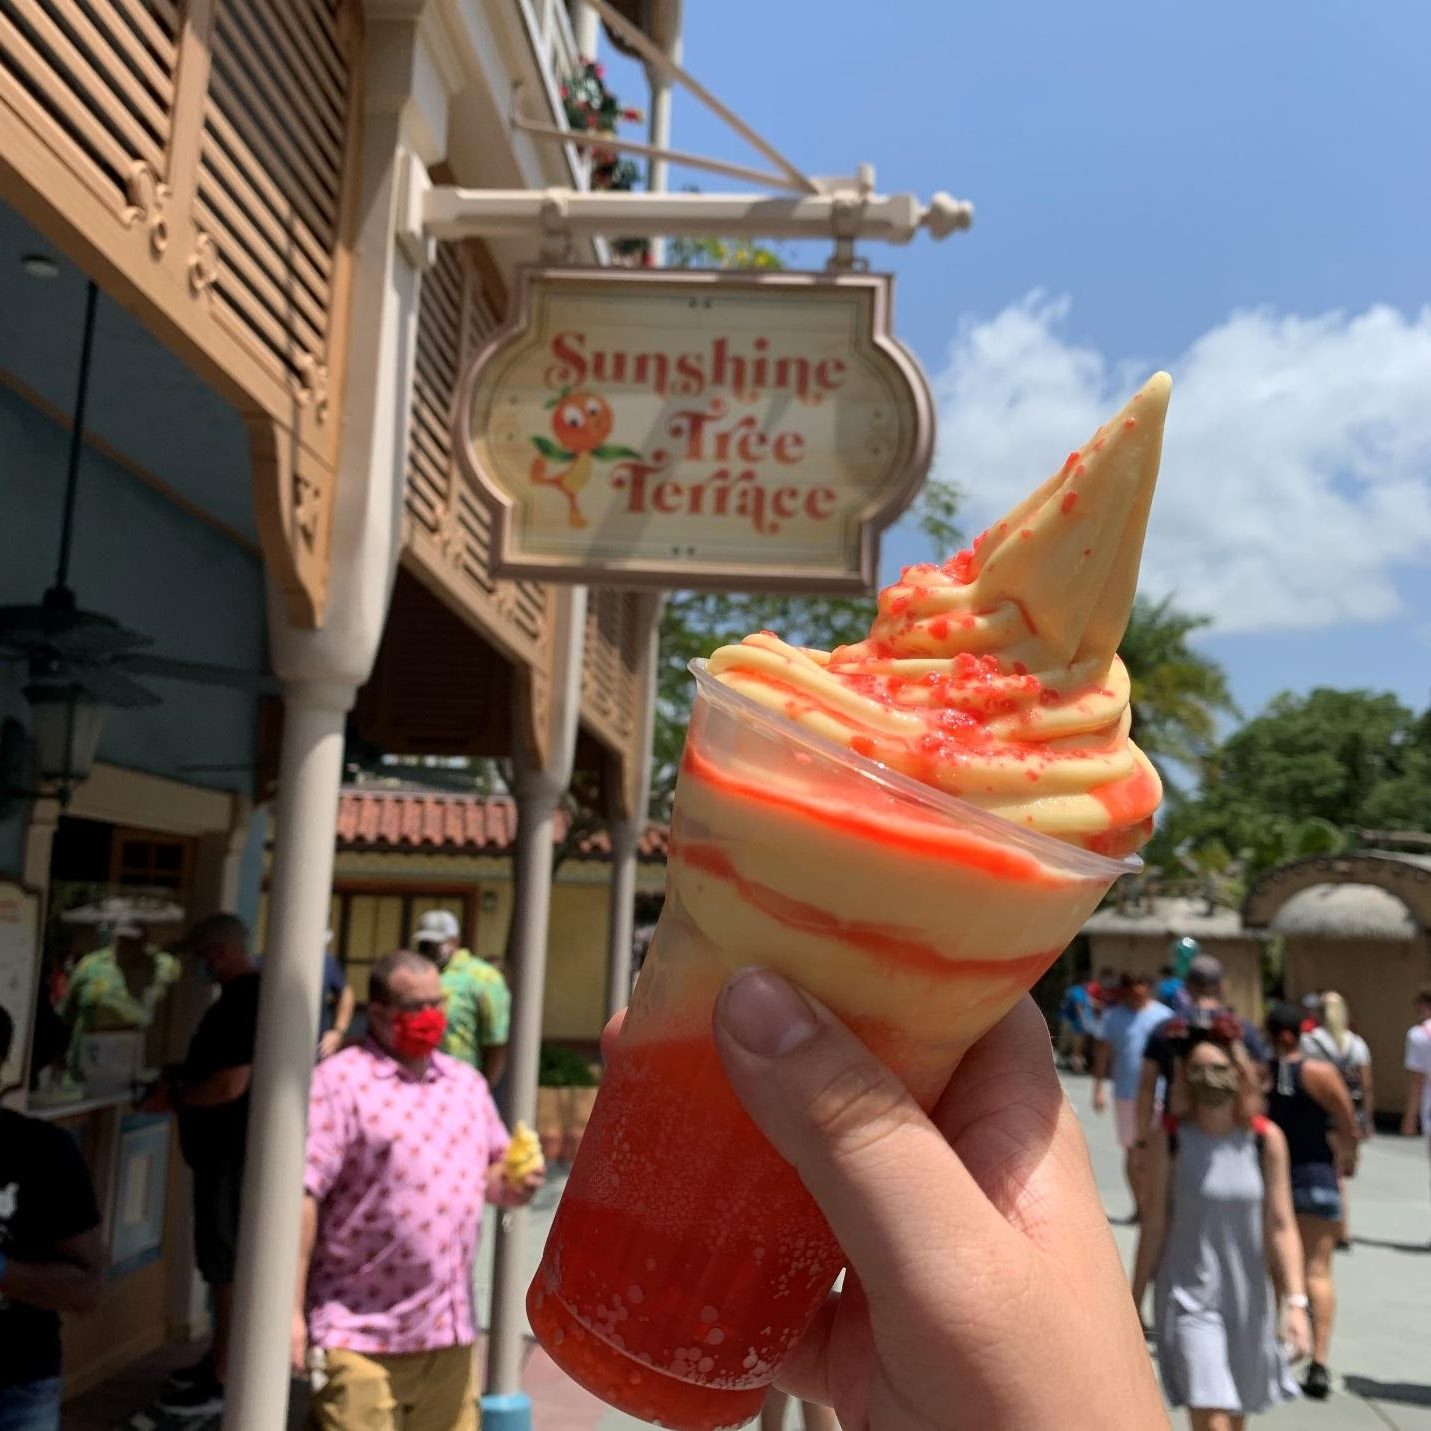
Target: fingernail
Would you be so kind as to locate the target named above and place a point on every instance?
(765, 1015)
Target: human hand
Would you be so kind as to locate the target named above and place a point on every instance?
(1100, 1099)
(1297, 1333)
(1346, 1162)
(505, 1193)
(981, 1267)
(527, 1189)
(160, 1096)
(298, 1344)
(329, 1044)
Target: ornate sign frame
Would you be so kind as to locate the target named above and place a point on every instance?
(739, 460)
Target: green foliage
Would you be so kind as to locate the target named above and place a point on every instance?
(1302, 778)
(562, 1067)
(936, 513)
(1323, 755)
(746, 253)
(1177, 693)
(591, 107)
(694, 623)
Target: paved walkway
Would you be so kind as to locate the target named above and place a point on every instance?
(1381, 1346)
(1381, 1350)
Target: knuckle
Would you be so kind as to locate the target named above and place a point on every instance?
(860, 1106)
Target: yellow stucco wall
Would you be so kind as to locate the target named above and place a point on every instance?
(1379, 980)
(1146, 954)
(575, 1003)
(576, 962)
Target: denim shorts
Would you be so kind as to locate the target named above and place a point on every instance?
(31, 1406)
(1315, 1191)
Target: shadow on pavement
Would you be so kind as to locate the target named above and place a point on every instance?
(1417, 1247)
(1405, 1393)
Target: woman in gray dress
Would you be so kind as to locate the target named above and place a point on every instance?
(1219, 1237)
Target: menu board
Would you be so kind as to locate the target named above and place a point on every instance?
(19, 968)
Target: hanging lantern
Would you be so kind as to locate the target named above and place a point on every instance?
(66, 720)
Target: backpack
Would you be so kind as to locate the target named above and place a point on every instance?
(1341, 1060)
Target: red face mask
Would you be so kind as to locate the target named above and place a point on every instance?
(417, 1032)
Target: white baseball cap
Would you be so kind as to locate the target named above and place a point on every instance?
(436, 926)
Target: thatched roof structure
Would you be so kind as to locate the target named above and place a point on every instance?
(1171, 916)
(1345, 911)
(1406, 877)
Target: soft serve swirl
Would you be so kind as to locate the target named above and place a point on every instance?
(994, 677)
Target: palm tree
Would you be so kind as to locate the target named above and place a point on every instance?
(1178, 693)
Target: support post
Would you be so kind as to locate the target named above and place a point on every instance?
(505, 1407)
(310, 771)
(626, 826)
(586, 27)
(658, 170)
(404, 125)
(625, 835)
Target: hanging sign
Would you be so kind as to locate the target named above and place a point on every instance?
(695, 429)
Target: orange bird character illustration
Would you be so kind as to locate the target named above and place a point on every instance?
(581, 422)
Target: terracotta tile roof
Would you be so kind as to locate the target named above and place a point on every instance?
(396, 820)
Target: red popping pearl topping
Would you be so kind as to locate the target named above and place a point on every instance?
(927, 694)
(963, 566)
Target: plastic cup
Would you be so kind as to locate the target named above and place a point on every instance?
(686, 1258)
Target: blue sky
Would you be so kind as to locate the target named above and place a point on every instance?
(1236, 192)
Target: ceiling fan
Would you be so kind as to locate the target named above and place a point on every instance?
(79, 663)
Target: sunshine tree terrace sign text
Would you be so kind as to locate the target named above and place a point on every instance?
(695, 429)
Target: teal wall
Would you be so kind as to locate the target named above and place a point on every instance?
(146, 562)
(11, 826)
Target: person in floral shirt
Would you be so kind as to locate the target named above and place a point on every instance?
(479, 1004)
(118, 987)
(404, 1146)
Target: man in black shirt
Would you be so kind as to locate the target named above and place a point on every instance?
(51, 1258)
(210, 1093)
(1203, 987)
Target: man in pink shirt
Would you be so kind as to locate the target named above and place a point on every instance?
(404, 1145)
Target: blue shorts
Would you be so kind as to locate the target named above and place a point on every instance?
(1316, 1192)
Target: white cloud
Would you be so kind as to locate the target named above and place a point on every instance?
(1296, 467)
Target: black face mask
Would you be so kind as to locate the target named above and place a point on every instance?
(1213, 1085)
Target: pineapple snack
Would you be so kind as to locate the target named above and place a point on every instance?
(524, 1156)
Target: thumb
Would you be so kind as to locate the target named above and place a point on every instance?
(862, 1146)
